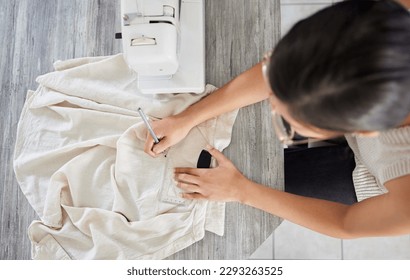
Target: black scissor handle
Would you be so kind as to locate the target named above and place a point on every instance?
(204, 160)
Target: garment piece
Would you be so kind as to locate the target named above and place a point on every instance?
(79, 160)
(380, 159)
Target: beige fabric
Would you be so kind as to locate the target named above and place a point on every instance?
(79, 160)
(379, 159)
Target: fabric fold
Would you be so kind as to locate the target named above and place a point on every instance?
(79, 160)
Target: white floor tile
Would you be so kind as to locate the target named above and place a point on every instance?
(377, 248)
(293, 242)
(291, 14)
(265, 251)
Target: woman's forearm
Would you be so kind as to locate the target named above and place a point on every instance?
(382, 215)
(308, 212)
(246, 89)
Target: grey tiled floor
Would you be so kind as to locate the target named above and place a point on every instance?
(293, 242)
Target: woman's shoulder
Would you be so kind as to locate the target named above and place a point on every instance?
(394, 136)
(384, 140)
(387, 155)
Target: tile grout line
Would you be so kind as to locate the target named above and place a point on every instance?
(273, 245)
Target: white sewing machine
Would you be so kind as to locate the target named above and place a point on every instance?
(164, 43)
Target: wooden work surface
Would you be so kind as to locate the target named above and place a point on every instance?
(36, 33)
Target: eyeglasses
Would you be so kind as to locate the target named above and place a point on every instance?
(284, 131)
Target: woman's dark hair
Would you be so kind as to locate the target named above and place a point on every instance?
(347, 67)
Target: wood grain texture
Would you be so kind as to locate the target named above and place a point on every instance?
(238, 33)
(38, 32)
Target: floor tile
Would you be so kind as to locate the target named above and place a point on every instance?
(377, 248)
(265, 251)
(293, 242)
(291, 14)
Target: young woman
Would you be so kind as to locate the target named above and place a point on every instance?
(343, 71)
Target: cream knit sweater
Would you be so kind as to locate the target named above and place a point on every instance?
(379, 159)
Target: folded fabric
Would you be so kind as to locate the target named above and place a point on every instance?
(79, 160)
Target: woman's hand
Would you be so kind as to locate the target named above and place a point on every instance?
(170, 131)
(222, 183)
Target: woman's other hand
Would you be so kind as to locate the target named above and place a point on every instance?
(222, 183)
